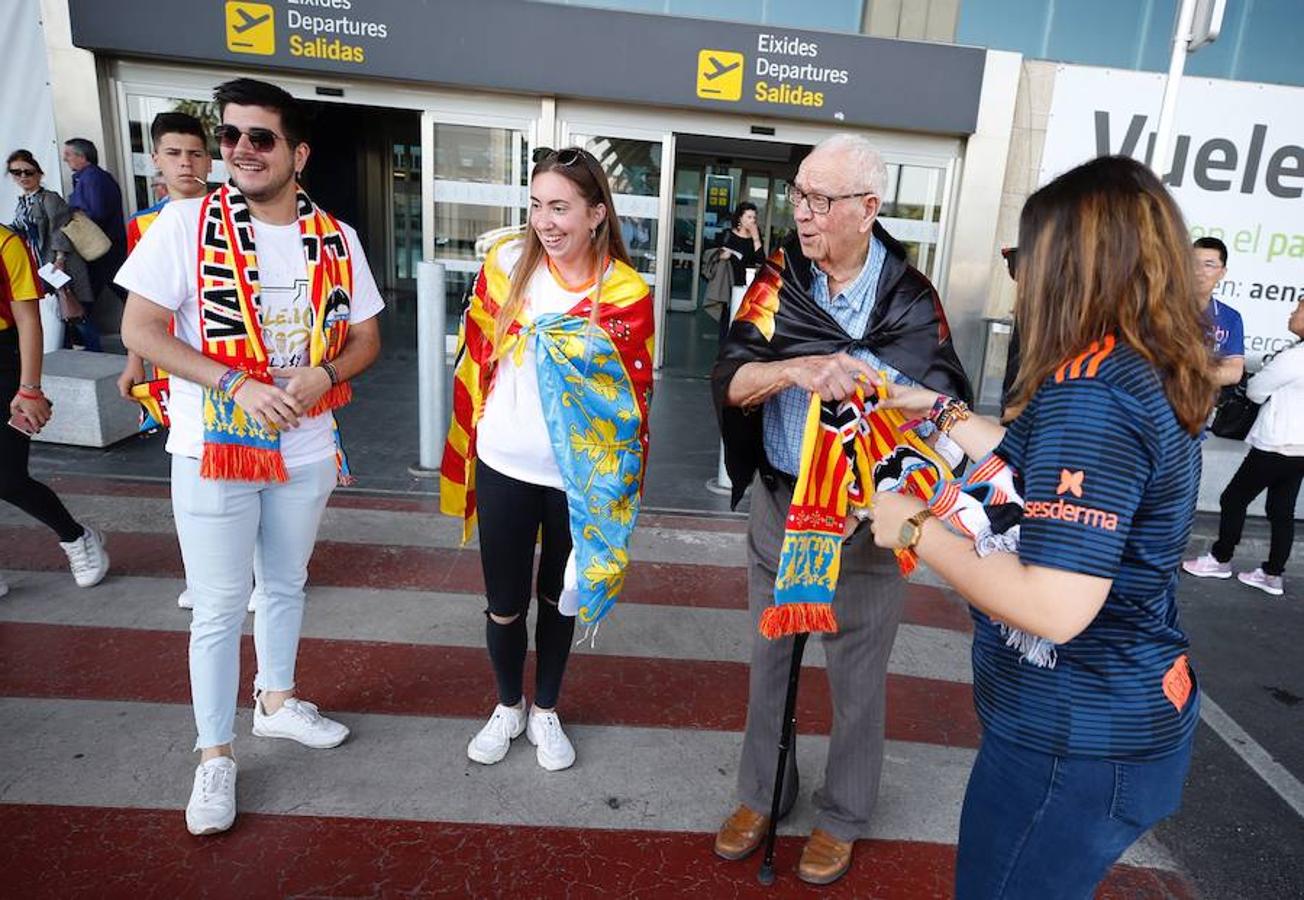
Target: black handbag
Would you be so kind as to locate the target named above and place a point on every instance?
(1235, 413)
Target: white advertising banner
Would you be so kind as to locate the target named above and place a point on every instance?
(1237, 172)
(28, 118)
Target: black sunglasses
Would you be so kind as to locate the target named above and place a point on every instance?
(22, 173)
(1011, 256)
(565, 157)
(261, 139)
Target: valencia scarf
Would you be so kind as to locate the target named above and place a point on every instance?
(236, 447)
(849, 450)
(596, 385)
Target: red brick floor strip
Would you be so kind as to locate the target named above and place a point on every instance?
(342, 564)
(84, 663)
(66, 852)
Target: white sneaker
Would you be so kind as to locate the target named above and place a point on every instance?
(493, 741)
(255, 599)
(4, 586)
(212, 799)
(184, 601)
(87, 558)
(299, 721)
(1269, 584)
(1207, 567)
(553, 748)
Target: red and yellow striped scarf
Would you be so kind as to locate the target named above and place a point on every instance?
(236, 447)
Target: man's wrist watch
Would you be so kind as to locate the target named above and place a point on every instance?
(912, 529)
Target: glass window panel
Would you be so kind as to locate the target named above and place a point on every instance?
(141, 111)
(633, 168)
(914, 192)
(835, 15)
(1102, 33)
(1004, 25)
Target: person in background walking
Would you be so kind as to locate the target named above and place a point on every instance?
(96, 193)
(29, 410)
(1275, 463)
(39, 218)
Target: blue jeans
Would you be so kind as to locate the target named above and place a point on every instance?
(1036, 825)
(220, 525)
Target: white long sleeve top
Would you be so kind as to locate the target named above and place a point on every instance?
(1279, 386)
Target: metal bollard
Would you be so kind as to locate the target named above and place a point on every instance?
(432, 418)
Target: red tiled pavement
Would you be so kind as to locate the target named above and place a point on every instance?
(440, 569)
(75, 662)
(64, 852)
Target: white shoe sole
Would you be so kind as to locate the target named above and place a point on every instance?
(1207, 574)
(549, 763)
(1275, 592)
(261, 732)
(208, 829)
(488, 759)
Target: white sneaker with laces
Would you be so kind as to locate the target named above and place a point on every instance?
(299, 721)
(493, 741)
(1207, 567)
(212, 799)
(553, 749)
(1269, 584)
(87, 558)
(184, 601)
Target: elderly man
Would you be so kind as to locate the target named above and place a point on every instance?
(834, 305)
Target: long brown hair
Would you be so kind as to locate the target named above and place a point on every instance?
(584, 171)
(1103, 249)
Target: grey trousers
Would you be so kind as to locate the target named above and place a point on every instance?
(868, 606)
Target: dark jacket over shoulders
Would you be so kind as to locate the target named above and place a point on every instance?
(779, 319)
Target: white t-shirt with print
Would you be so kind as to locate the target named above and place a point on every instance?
(512, 436)
(163, 269)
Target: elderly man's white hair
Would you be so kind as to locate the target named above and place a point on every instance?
(864, 158)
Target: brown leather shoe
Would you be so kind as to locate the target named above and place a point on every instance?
(741, 834)
(824, 859)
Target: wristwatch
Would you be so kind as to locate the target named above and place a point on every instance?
(912, 529)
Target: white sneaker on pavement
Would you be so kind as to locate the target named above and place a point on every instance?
(553, 749)
(4, 586)
(1269, 584)
(299, 721)
(1207, 567)
(492, 742)
(87, 558)
(212, 799)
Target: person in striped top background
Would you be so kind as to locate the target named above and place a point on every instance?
(1087, 747)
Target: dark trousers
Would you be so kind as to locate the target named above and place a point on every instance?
(1036, 826)
(512, 515)
(16, 485)
(1281, 476)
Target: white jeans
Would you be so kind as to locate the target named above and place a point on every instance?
(219, 524)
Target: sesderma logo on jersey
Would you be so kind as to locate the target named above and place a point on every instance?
(1061, 511)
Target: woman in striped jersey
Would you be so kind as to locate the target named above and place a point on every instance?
(1081, 673)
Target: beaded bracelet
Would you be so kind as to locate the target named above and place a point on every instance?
(955, 412)
(31, 387)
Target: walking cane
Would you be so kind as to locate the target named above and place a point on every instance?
(766, 874)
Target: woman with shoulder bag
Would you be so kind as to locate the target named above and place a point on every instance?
(40, 218)
(1275, 463)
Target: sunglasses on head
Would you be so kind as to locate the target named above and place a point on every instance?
(261, 139)
(1011, 256)
(22, 173)
(565, 157)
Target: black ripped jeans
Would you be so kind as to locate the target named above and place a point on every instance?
(512, 514)
(16, 485)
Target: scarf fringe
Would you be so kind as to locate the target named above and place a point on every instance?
(231, 462)
(336, 396)
(1037, 651)
(790, 618)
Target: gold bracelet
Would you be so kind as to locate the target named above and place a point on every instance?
(951, 415)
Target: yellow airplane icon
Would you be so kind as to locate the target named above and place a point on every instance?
(250, 28)
(719, 75)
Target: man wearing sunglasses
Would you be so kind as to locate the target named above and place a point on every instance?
(843, 303)
(257, 368)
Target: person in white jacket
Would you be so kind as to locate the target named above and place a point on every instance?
(1275, 463)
